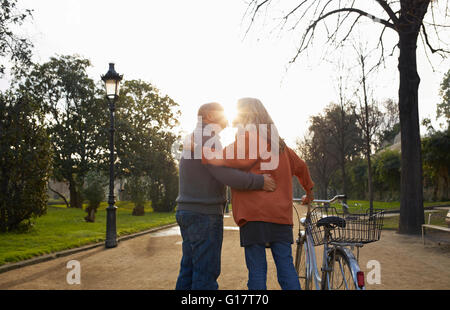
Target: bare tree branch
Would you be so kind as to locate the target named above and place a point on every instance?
(59, 194)
(313, 25)
(426, 52)
(400, 20)
(295, 9)
(433, 50)
(389, 11)
(352, 26)
(339, 24)
(358, 11)
(436, 25)
(257, 7)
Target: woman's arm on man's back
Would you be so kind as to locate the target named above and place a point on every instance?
(231, 156)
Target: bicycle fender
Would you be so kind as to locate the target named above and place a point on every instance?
(353, 263)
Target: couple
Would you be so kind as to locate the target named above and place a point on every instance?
(261, 204)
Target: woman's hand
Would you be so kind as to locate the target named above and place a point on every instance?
(269, 183)
(307, 200)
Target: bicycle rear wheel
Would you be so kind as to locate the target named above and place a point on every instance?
(343, 270)
(301, 266)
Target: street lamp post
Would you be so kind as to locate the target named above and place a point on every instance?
(112, 85)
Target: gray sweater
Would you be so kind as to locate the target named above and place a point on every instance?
(202, 186)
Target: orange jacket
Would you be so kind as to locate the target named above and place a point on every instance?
(272, 207)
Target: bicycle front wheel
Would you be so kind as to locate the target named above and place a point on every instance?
(301, 266)
(342, 271)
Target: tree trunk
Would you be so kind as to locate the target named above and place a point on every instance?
(370, 184)
(90, 217)
(3, 219)
(367, 131)
(411, 202)
(435, 190)
(344, 183)
(4, 189)
(75, 196)
(138, 210)
(446, 196)
(342, 146)
(59, 194)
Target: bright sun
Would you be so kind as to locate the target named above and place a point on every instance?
(227, 135)
(230, 113)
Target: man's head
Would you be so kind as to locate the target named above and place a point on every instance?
(213, 113)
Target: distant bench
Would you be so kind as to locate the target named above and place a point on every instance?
(436, 227)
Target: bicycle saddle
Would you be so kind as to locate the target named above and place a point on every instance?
(331, 222)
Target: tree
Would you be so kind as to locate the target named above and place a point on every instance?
(76, 116)
(387, 172)
(25, 156)
(137, 189)
(369, 119)
(344, 135)
(313, 148)
(164, 188)
(17, 48)
(94, 193)
(25, 162)
(406, 18)
(443, 108)
(436, 161)
(145, 122)
(358, 176)
(390, 124)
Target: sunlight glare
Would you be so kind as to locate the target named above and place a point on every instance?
(230, 113)
(227, 135)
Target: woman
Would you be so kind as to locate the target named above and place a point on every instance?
(265, 219)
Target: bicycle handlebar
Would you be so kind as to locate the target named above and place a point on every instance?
(337, 197)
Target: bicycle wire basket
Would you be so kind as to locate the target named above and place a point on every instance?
(359, 228)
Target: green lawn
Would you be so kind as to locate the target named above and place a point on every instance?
(438, 218)
(62, 228)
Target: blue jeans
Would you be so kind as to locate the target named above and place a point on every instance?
(202, 246)
(255, 257)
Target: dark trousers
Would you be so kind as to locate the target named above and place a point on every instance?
(202, 246)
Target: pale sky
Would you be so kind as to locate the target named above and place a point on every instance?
(195, 52)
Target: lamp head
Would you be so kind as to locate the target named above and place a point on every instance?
(112, 82)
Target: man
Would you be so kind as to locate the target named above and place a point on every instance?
(201, 202)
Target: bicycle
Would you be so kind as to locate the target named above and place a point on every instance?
(339, 233)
